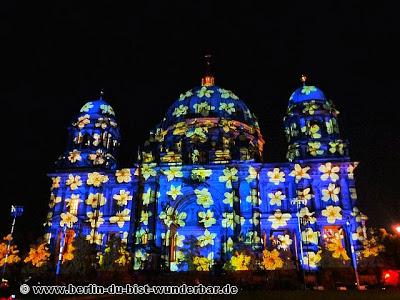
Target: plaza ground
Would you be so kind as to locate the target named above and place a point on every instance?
(267, 295)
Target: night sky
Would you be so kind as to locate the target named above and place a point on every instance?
(56, 57)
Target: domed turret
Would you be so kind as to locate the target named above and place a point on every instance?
(207, 124)
(311, 126)
(93, 138)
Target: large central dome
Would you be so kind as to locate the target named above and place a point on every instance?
(209, 101)
(207, 124)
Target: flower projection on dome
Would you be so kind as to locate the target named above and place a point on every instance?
(200, 192)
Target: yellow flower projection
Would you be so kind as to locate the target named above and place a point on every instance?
(312, 259)
(144, 217)
(335, 245)
(107, 109)
(359, 215)
(229, 198)
(203, 108)
(358, 235)
(94, 237)
(304, 195)
(147, 170)
(203, 263)
(314, 131)
(310, 107)
(252, 174)
(332, 213)
(371, 247)
(306, 215)
(68, 219)
(284, 241)
(276, 198)
(174, 192)
(204, 92)
(74, 156)
(124, 256)
(204, 197)
(38, 256)
(69, 248)
(201, 174)
(54, 200)
(55, 182)
(207, 218)
(226, 94)
(171, 216)
(12, 252)
(227, 125)
(227, 107)
(180, 128)
(329, 171)
(206, 239)
(72, 203)
(230, 174)
(181, 110)
(123, 197)
(240, 262)
(95, 200)
(74, 182)
(228, 245)
(331, 193)
(350, 170)
(185, 95)
(300, 173)
(86, 107)
(123, 175)
(82, 121)
(271, 260)
(121, 217)
(309, 236)
(253, 197)
(314, 148)
(95, 218)
(49, 218)
(96, 179)
(147, 197)
(279, 219)
(255, 218)
(336, 147)
(276, 176)
(230, 219)
(179, 238)
(173, 172)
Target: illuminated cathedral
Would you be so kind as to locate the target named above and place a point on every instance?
(200, 182)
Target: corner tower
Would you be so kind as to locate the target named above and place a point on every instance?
(311, 126)
(93, 139)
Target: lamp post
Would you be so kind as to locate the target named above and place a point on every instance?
(298, 202)
(354, 257)
(16, 211)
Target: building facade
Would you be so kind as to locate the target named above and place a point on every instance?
(200, 184)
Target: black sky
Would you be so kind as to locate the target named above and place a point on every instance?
(55, 57)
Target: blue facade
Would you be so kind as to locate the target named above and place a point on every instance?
(200, 176)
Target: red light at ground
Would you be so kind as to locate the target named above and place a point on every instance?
(391, 277)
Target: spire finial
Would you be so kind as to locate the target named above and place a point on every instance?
(303, 79)
(208, 78)
(101, 94)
